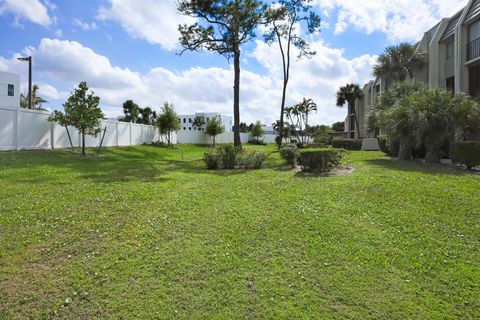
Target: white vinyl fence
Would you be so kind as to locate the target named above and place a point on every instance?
(30, 129)
(24, 129)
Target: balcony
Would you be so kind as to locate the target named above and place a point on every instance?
(473, 49)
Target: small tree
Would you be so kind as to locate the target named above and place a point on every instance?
(82, 112)
(214, 128)
(198, 122)
(257, 131)
(167, 121)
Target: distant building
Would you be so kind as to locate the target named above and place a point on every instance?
(186, 121)
(9, 90)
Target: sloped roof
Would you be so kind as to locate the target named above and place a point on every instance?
(452, 24)
(473, 11)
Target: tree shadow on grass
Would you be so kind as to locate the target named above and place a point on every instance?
(417, 166)
(148, 164)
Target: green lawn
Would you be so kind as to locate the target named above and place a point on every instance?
(140, 233)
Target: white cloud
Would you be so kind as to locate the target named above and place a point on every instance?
(32, 10)
(400, 20)
(84, 25)
(155, 21)
(197, 89)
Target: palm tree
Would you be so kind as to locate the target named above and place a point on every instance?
(36, 100)
(348, 94)
(399, 62)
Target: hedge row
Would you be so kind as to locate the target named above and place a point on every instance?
(466, 153)
(229, 157)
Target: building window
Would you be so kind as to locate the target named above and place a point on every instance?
(11, 90)
(474, 31)
(450, 84)
(208, 119)
(450, 50)
(189, 120)
(184, 120)
(190, 128)
(184, 128)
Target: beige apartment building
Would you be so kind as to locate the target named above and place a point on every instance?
(453, 50)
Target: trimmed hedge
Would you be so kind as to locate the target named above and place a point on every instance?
(347, 144)
(321, 159)
(229, 157)
(466, 153)
(290, 154)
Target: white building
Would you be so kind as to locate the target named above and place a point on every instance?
(186, 121)
(9, 90)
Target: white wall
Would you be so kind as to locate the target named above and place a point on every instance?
(198, 137)
(30, 129)
(5, 80)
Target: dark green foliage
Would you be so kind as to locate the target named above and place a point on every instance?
(230, 157)
(398, 63)
(167, 121)
(82, 112)
(466, 153)
(257, 131)
(247, 159)
(321, 135)
(321, 159)
(384, 146)
(290, 154)
(338, 126)
(347, 144)
(423, 121)
(214, 128)
(257, 142)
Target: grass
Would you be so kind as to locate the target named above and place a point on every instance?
(139, 233)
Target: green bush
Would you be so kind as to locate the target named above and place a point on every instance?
(290, 154)
(321, 159)
(384, 145)
(466, 153)
(250, 159)
(212, 158)
(257, 142)
(229, 157)
(228, 154)
(347, 144)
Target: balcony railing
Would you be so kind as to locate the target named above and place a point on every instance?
(473, 49)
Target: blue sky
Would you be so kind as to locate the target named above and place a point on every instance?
(127, 49)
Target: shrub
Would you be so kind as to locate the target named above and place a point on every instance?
(229, 157)
(347, 144)
(384, 145)
(466, 153)
(257, 142)
(290, 154)
(250, 159)
(228, 154)
(214, 158)
(321, 159)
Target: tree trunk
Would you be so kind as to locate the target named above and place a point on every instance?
(357, 123)
(236, 98)
(83, 143)
(282, 111)
(70, 139)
